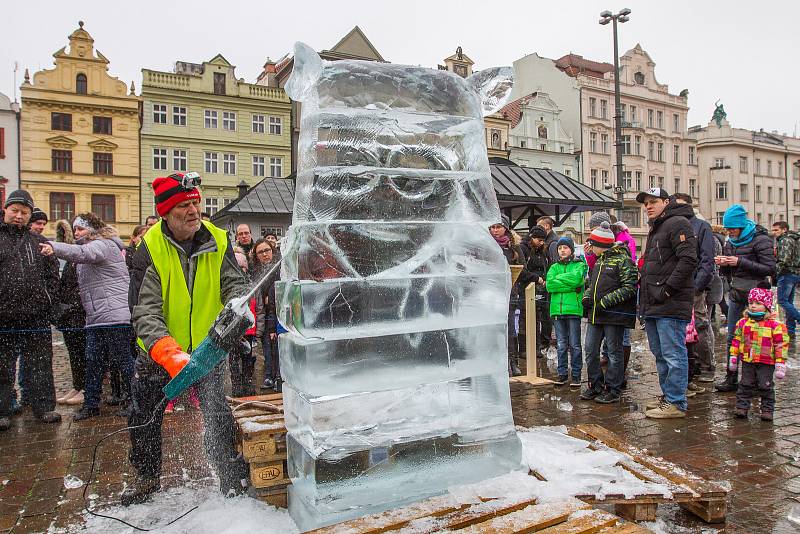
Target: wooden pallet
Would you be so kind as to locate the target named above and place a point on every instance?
(261, 438)
(705, 499)
(499, 516)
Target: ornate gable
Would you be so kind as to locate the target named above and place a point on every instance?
(61, 142)
(102, 145)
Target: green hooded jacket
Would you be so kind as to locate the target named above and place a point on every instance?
(565, 283)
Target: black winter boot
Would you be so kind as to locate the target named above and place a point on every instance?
(731, 382)
(140, 490)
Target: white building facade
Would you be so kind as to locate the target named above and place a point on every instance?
(9, 147)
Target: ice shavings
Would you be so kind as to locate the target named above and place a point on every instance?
(571, 468)
(250, 426)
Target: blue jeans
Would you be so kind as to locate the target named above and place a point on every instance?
(786, 285)
(595, 333)
(568, 338)
(667, 340)
(104, 345)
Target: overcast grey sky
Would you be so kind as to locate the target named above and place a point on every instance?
(740, 52)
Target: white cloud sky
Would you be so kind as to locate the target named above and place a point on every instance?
(742, 53)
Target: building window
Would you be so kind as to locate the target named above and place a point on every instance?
(210, 118)
(179, 159)
(650, 118)
(179, 115)
(743, 192)
(568, 173)
(651, 181)
(604, 176)
(660, 120)
(676, 153)
(211, 160)
(61, 121)
(677, 184)
(626, 145)
(622, 113)
(496, 140)
(275, 167)
(637, 145)
(742, 164)
(780, 195)
(229, 121)
(212, 205)
(219, 83)
(258, 123)
(627, 180)
(632, 217)
(593, 178)
(81, 85)
(61, 160)
(722, 191)
(660, 181)
(275, 125)
(651, 150)
(691, 156)
(543, 147)
(103, 163)
(758, 193)
(542, 131)
(796, 171)
(104, 206)
(101, 125)
(603, 109)
(693, 187)
(62, 206)
(159, 159)
(720, 216)
(676, 123)
(769, 194)
(259, 167)
(796, 194)
(769, 167)
(660, 151)
(160, 113)
(229, 164)
(592, 106)
(522, 144)
(719, 163)
(593, 142)
(780, 169)
(757, 169)
(633, 114)
(604, 143)
(638, 180)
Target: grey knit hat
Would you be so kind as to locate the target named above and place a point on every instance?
(598, 218)
(20, 196)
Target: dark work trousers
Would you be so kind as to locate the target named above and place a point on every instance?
(242, 363)
(218, 438)
(36, 348)
(106, 347)
(75, 341)
(274, 355)
(756, 381)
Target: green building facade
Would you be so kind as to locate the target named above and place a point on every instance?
(201, 118)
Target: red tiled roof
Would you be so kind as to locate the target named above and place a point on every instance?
(574, 64)
(513, 110)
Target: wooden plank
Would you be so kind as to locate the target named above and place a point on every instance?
(395, 519)
(584, 522)
(530, 519)
(626, 528)
(710, 511)
(271, 397)
(636, 511)
(662, 467)
(466, 517)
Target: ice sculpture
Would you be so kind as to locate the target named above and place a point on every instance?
(394, 293)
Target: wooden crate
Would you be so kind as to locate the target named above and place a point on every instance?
(500, 516)
(277, 496)
(705, 499)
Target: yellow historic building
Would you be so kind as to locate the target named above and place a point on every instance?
(80, 138)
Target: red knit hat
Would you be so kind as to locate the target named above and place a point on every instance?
(170, 191)
(602, 236)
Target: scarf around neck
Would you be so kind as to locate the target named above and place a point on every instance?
(747, 235)
(503, 240)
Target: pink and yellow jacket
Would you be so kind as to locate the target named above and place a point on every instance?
(763, 341)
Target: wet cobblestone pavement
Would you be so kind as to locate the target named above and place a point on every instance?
(760, 460)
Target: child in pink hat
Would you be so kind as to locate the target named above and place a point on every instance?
(760, 341)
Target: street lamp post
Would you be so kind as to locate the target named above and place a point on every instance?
(605, 18)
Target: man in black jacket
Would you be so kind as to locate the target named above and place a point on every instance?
(666, 294)
(30, 284)
(701, 355)
(551, 239)
(535, 272)
(748, 258)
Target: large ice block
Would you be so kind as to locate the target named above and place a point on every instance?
(394, 293)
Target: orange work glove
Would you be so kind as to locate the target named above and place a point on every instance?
(169, 355)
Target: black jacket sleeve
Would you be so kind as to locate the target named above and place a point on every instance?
(705, 261)
(138, 266)
(764, 264)
(684, 244)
